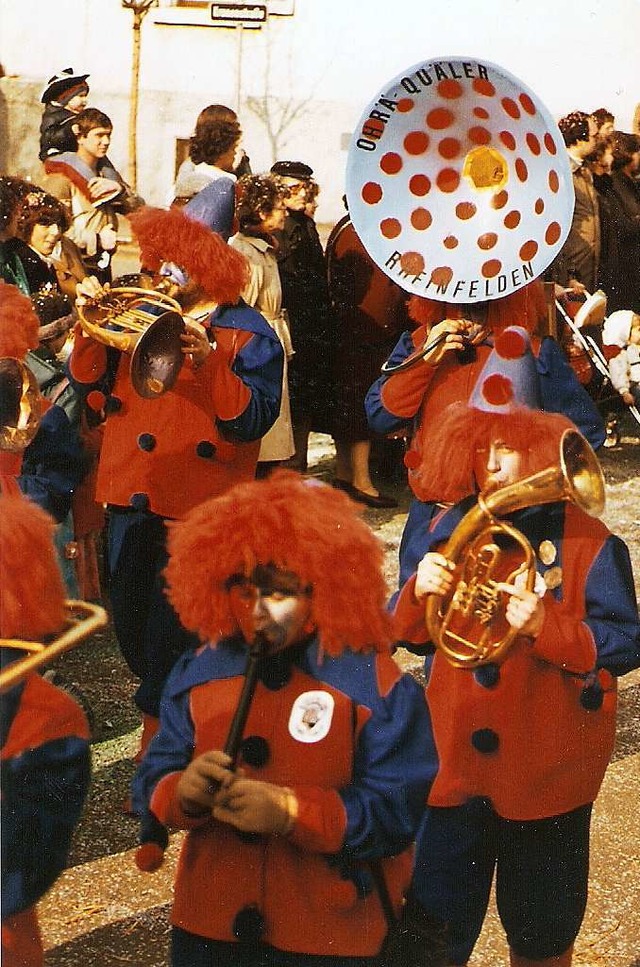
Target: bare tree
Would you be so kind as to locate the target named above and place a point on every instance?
(140, 9)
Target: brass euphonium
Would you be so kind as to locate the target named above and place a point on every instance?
(83, 618)
(469, 624)
(144, 322)
(20, 405)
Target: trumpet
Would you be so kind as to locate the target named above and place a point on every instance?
(144, 322)
(468, 624)
(82, 620)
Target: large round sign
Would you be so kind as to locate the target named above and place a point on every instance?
(458, 181)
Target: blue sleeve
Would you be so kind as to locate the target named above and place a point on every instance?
(43, 791)
(260, 366)
(54, 463)
(562, 393)
(612, 610)
(379, 418)
(394, 766)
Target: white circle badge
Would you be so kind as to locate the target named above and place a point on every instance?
(311, 716)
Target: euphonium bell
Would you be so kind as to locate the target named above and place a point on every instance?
(469, 624)
(20, 405)
(146, 323)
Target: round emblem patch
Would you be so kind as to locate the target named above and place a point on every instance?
(311, 716)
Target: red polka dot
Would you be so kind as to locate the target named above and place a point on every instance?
(412, 263)
(416, 142)
(439, 118)
(510, 107)
(449, 148)
(487, 241)
(442, 275)
(465, 210)
(96, 400)
(500, 200)
(510, 345)
(448, 180)
(508, 140)
(450, 89)
(419, 185)
(497, 390)
(450, 242)
(521, 169)
(371, 193)
(534, 144)
(491, 268)
(554, 181)
(539, 206)
(512, 219)
(480, 112)
(391, 163)
(483, 86)
(527, 104)
(405, 104)
(550, 144)
(373, 127)
(479, 135)
(528, 250)
(390, 227)
(421, 218)
(553, 233)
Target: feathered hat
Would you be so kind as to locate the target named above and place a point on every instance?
(31, 597)
(171, 236)
(506, 401)
(19, 323)
(63, 86)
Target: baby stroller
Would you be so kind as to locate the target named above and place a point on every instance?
(583, 316)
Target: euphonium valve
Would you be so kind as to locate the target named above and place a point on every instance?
(491, 556)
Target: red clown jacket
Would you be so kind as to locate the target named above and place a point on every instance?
(535, 733)
(168, 454)
(350, 735)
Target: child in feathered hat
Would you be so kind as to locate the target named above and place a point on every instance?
(333, 762)
(524, 737)
(64, 97)
(44, 734)
(413, 399)
(161, 457)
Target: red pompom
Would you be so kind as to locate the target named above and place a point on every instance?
(149, 857)
(96, 400)
(497, 390)
(18, 323)
(510, 344)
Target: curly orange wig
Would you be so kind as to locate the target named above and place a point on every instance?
(451, 446)
(171, 236)
(298, 525)
(18, 323)
(32, 593)
(525, 307)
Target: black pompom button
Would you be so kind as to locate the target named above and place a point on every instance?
(485, 741)
(248, 925)
(139, 501)
(487, 675)
(255, 751)
(592, 696)
(147, 442)
(113, 404)
(206, 449)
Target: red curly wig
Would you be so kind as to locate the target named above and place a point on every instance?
(298, 525)
(32, 593)
(525, 307)
(452, 446)
(18, 323)
(171, 236)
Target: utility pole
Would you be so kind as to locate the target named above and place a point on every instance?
(140, 9)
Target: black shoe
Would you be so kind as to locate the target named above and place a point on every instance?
(380, 501)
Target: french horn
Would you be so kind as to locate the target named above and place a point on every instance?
(20, 405)
(468, 624)
(145, 323)
(82, 620)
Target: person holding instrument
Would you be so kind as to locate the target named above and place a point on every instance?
(521, 683)
(278, 864)
(458, 340)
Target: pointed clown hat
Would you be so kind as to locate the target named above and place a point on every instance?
(458, 181)
(509, 378)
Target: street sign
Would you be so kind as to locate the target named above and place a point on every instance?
(239, 13)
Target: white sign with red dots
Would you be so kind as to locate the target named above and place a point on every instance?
(458, 181)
